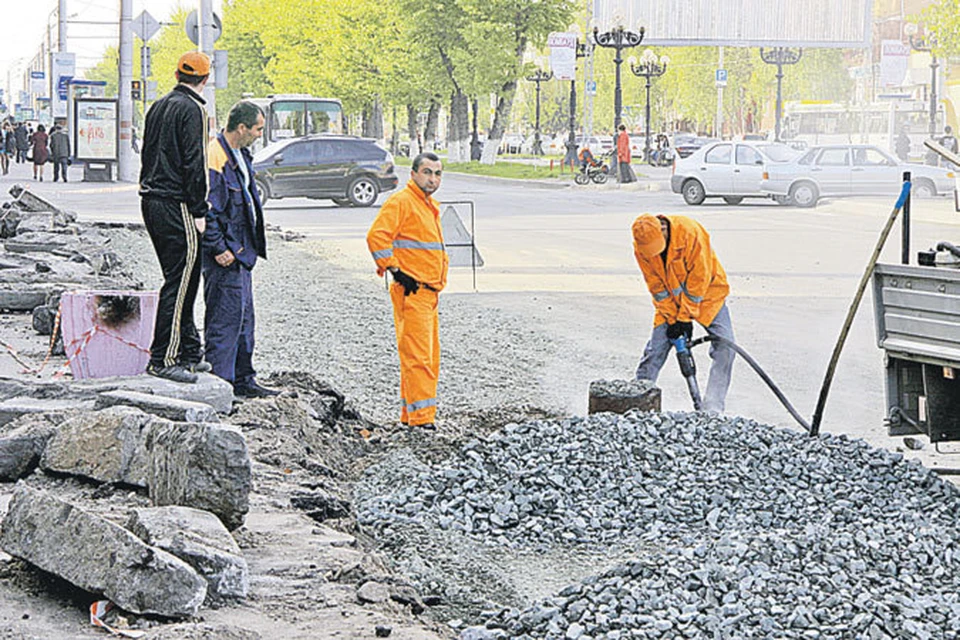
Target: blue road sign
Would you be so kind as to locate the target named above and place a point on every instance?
(721, 77)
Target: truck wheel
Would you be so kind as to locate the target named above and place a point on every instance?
(693, 192)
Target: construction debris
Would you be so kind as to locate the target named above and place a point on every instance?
(620, 396)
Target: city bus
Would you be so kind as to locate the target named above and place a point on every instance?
(297, 115)
(820, 123)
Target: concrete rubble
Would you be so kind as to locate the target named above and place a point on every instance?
(199, 539)
(99, 556)
(620, 396)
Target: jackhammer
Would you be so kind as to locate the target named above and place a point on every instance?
(688, 368)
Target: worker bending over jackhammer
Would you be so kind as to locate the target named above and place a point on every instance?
(687, 283)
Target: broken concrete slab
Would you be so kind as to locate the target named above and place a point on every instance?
(35, 221)
(99, 556)
(620, 396)
(373, 592)
(28, 201)
(208, 389)
(21, 447)
(199, 539)
(162, 406)
(106, 446)
(15, 407)
(205, 466)
(46, 242)
(26, 297)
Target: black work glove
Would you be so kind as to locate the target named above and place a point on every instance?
(408, 283)
(678, 329)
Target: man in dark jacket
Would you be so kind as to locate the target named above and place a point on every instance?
(233, 240)
(173, 202)
(59, 152)
(22, 137)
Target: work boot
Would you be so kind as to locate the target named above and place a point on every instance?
(429, 426)
(254, 390)
(177, 373)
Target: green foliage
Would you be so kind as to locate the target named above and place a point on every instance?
(943, 19)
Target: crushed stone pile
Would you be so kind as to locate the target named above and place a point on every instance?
(740, 529)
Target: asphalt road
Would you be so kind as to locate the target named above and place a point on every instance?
(561, 257)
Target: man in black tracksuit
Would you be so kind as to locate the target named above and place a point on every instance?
(173, 192)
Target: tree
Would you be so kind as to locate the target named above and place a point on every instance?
(943, 19)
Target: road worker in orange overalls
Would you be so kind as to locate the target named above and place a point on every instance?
(406, 240)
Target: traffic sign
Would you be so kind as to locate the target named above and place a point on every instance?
(145, 26)
(192, 27)
(721, 77)
(591, 87)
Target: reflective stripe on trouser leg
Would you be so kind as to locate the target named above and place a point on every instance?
(722, 366)
(654, 354)
(418, 344)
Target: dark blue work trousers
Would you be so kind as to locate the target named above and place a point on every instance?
(228, 325)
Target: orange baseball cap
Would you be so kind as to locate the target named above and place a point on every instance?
(648, 237)
(194, 63)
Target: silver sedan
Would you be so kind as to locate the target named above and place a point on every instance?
(850, 170)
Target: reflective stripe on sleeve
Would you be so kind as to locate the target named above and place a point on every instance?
(693, 298)
(380, 255)
(414, 244)
(661, 296)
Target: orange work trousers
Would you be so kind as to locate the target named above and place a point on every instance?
(418, 343)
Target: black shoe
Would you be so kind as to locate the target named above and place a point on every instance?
(254, 390)
(430, 426)
(176, 373)
(198, 367)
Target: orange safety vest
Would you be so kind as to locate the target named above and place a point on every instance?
(691, 284)
(407, 234)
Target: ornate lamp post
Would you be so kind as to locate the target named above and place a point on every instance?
(570, 159)
(648, 67)
(927, 43)
(618, 38)
(538, 77)
(780, 56)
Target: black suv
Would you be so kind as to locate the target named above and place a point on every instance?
(346, 169)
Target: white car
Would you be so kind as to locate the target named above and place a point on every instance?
(729, 170)
(851, 170)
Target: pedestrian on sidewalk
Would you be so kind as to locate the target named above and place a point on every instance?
(38, 140)
(623, 157)
(406, 240)
(232, 242)
(60, 152)
(688, 284)
(8, 146)
(23, 142)
(173, 202)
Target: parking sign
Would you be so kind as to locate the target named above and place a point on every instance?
(721, 77)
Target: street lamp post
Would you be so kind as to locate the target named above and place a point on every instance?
(648, 67)
(570, 159)
(618, 39)
(780, 56)
(926, 44)
(538, 77)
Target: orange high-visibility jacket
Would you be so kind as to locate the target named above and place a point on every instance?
(407, 234)
(692, 285)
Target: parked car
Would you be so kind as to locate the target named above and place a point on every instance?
(729, 170)
(598, 145)
(511, 143)
(851, 170)
(685, 144)
(346, 169)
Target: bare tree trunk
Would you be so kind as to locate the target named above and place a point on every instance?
(504, 104)
(373, 120)
(430, 135)
(458, 128)
(412, 114)
(394, 132)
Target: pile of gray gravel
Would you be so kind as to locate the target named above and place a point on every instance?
(759, 532)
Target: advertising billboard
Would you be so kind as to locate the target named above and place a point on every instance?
(96, 125)
(742, 23)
